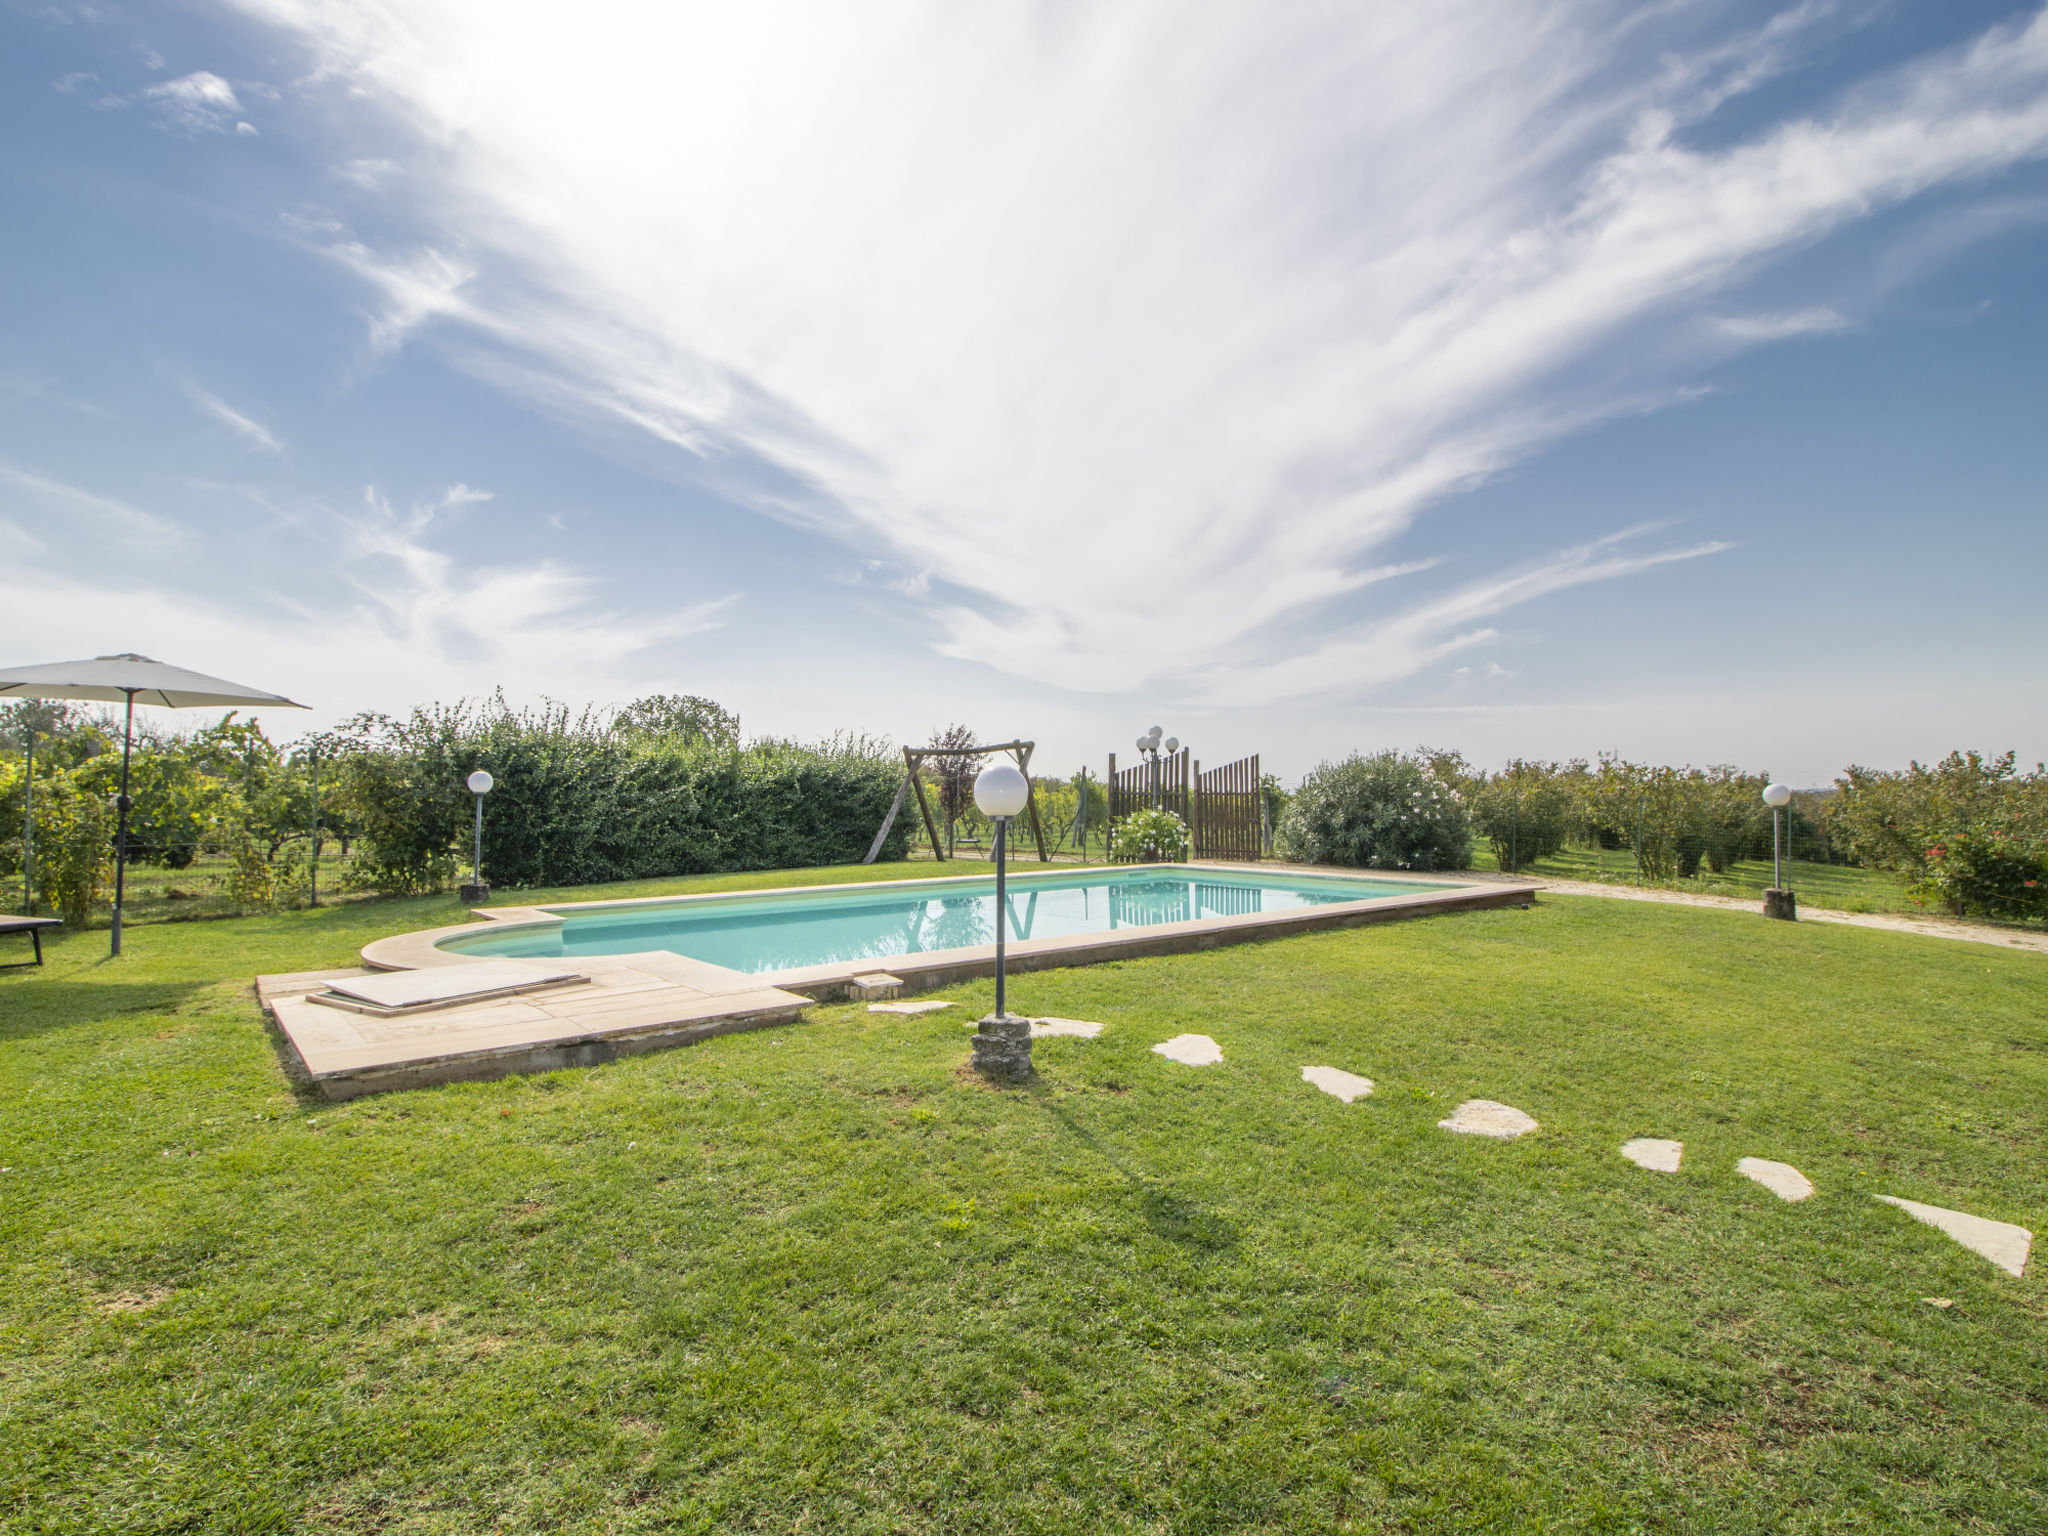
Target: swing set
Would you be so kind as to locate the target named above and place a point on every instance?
(913, 761)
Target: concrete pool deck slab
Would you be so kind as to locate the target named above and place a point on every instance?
(629, 1004)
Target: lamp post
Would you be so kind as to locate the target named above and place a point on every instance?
(480, 784)
(1002, 1044)
(1150, 747)
(1779, 902)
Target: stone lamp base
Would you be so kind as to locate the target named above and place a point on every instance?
(1002, 1047)
(1781, 903)
(474, 895)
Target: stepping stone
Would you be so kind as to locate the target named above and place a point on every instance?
(1190, 1050)
(929, 1005)
(1781, 1179)
(1999, 1241)
(1339, 1084)
(1079, 1028)
(873, 986)
(1651, 1153)
(1484, 1117)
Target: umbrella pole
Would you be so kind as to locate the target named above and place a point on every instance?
(28, 823)
(121, 837)
(316, 828)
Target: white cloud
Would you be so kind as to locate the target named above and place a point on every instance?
(1169, 319)
(1776, 327)
(103, 515)
(423, 287)
(254, 432)
(369, 174)
(201, 102)
(1387, 649)
(419, 621)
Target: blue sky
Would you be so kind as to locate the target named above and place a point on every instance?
(1301, 378)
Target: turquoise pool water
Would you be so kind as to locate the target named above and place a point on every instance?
(803, 928)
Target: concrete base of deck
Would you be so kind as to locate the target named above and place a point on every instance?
(632, 1004)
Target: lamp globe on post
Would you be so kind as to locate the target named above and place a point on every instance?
(1002, 1044)
(1779, 902)
(480, 784)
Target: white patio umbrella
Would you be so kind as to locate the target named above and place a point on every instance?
(130, 679)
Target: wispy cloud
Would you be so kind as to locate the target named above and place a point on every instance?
(251, 430)
(1776, 327)
(1172, 320)
(106, 516)
(1408, 643)
(201, 102)
(528, 618)
(415, 289)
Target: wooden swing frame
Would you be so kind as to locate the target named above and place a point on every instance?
(913, 760)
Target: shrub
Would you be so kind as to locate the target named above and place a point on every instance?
(1148, 836)
(1526, 811)
(1990, 874)
(1387, 811)
(579, 802)
(74, 848)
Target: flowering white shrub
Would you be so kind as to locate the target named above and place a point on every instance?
(1387, 811)
(1143, 836)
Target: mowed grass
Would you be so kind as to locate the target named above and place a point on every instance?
(821, 1278)
(1838, 887)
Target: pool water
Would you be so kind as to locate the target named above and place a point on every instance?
(794, 929)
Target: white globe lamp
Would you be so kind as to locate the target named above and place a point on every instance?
(1000, 791)
(1002, 1045)
(480, 784)
(1778, 902)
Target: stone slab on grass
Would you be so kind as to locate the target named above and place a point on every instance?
(928, 1005)
(1190, 1050)
(1485, 1117)
(1338, 1083)
(1781, 1179)
(1080, 1029)
(1654, 1153)
(874, 986)
(2001, 1242)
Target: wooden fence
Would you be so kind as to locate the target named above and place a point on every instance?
(1221, 806)
(1227, 820)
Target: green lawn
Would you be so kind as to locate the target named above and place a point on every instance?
(820, 1279)
(1840, 887)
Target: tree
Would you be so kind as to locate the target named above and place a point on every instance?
(953, 774)
(684, 718)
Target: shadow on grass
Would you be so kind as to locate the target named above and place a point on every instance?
(1172, 1217)
(39, 1004)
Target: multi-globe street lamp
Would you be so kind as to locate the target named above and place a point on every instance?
(1150, 748)
(1778, 902)
(1002, 1043)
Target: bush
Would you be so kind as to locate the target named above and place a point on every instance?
(1989, 874)
(1526, 811)
(74, 848)
(1149, 836)
(1387, 811)
(579, 802)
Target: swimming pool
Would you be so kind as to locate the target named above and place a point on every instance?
(838, 925)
